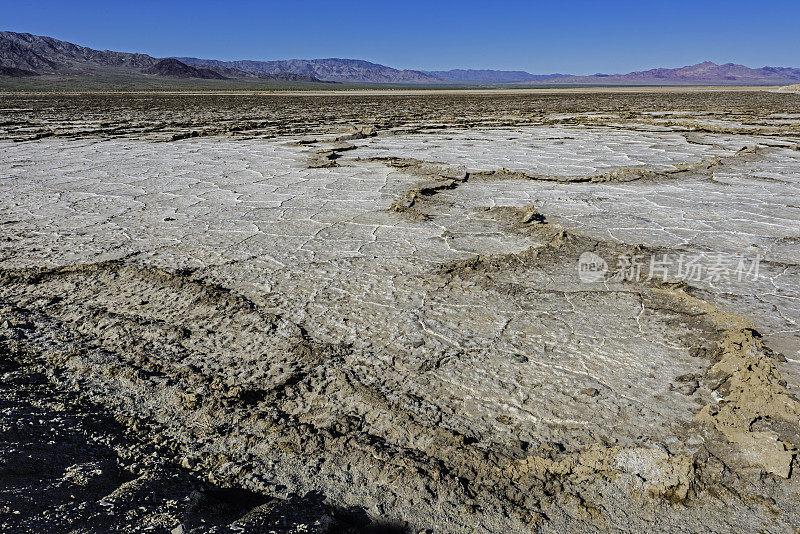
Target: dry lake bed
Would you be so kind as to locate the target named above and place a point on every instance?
(439, 313)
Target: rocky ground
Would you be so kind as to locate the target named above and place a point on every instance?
(505, 313)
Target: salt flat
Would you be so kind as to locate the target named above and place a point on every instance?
(398, 320)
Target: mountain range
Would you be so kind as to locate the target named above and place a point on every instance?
(331, 69)
(23, 54)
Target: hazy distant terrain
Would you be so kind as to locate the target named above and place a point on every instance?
(23, 55)
(493, 76)
(703, 73)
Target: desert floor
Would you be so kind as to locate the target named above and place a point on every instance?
(495, 312)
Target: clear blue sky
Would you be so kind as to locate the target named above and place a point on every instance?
(576, 37)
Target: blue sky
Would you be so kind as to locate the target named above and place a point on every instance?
(578, 37)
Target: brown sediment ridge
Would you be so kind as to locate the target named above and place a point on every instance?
(447, 177)
(441, 177)
(756, 411)
(438, 178)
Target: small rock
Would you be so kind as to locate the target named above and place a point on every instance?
(358, 132)
(532, 216)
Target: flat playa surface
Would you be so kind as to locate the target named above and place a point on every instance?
(489, 91)
(504, 312)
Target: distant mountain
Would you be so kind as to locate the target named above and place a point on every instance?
(357, 70)
(176, 69)
(708, 71)
(332, 69)
(491, 76)
(23, 54)
(702, 73)
(45, 55)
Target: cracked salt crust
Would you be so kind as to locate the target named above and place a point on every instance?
(212, 202)
(321, 248)
(545, 150)
(746, 209)
(322, 241)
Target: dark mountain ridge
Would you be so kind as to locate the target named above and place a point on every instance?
(23, 54)
(331, 69)
(176, 69)
(46, 55)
